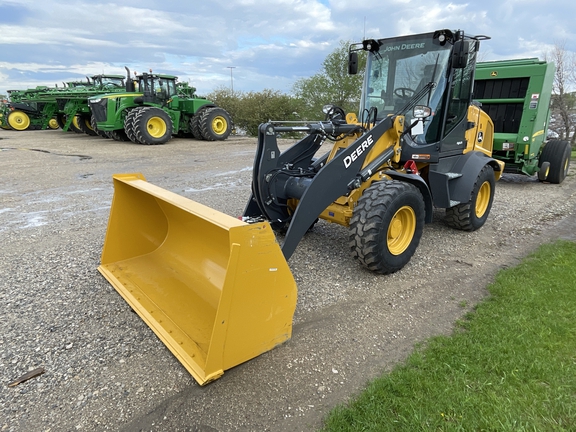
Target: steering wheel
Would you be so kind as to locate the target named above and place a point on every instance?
(404, 92)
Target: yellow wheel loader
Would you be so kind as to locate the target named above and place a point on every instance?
(218, 290)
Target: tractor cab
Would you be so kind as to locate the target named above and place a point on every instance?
(157, 88)
(108, 81)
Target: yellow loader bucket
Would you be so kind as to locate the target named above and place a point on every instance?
(217, 291)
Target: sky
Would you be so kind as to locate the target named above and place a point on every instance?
(249, 45)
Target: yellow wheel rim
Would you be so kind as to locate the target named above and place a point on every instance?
(75, 122)
(483, 199)
(156, 127)
(219, 125)
(88, 124)
(566, 163)
(401, 230)
(53, 123)
(18, 120)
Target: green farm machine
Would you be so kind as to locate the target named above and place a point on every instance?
(24, 110)
(516, 95)
(159, 108)
(73, 109)
(53, 107)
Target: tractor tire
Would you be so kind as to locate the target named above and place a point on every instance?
(215, 124)
(85, 125)
(74, 126)
(94, 125)
(129, 125)
(195, 124)
(557, 154)
(152, 126)
(386, 226)
(61, 120)
(18, 120)
(543, 170)
(472, 215)
(119, 135)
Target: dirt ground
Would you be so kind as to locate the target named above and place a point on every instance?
(106, 370)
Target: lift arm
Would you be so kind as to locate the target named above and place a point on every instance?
(278, 177)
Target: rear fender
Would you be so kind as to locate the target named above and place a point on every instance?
(452, 180)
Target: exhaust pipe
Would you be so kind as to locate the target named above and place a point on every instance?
(129, 83)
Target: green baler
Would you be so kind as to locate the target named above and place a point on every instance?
(516, 95)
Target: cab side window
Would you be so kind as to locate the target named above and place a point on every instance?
(460, 93)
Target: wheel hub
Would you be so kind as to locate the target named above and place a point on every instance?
(219, 125)
(483, 199)
(156, 127)
(18, 120)
(401, 230)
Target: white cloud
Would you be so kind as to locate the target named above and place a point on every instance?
(271, 43)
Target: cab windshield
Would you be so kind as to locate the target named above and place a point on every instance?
(158, 85)
(112, 81)
(400, 70)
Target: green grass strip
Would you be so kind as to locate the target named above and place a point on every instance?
(509, 366)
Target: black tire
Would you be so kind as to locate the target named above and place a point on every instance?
(152, 126)
(215, 124)
(472, 215)
(543, 170)
(61, 120)
(74, 126)
(195, 124)
(557, 153)
(100, 133)
(119, 135)
(84, 124)
(386, 226)
(129, 125)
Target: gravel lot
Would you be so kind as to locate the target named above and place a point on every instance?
(106, 370)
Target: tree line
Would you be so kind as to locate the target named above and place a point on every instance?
(332, 84)
(563, 108)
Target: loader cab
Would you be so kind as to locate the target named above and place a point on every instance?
(433, 70)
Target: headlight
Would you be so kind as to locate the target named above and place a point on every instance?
(421, 111)
(95, 100)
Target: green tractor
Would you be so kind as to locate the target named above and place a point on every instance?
(160, 108)
(73, 108)
(516, 95)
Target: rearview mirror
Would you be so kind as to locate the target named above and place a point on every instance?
(460, 52)
(353, 63)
